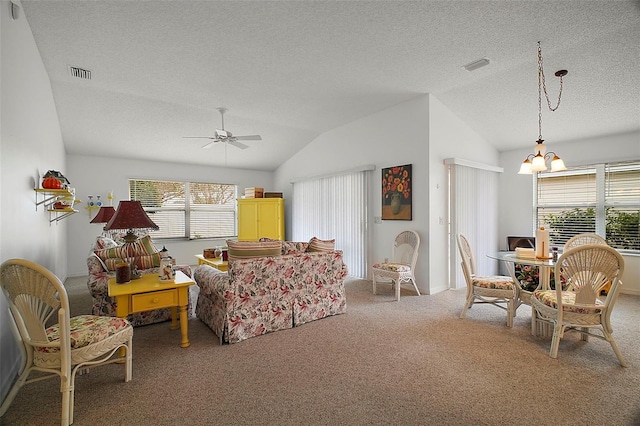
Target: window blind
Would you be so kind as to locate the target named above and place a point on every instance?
(473, 211)
(622, 205)
(602, 199)
(187, 209)
(566, 203)
(334, 207)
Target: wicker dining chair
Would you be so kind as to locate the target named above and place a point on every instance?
(583, 239)
(574, 305)
(402, 267)
(35, 294)
(496, 290)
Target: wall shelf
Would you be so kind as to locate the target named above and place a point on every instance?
(49, 197)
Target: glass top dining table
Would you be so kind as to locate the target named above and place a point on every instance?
(510, 259)
(545, 265)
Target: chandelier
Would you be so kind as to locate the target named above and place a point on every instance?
(537, 162)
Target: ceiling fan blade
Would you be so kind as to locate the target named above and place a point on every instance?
(209, 145)
(238, 144)
(200, 137)
(249, 138)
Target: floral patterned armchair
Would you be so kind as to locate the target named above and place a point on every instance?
(97, 282)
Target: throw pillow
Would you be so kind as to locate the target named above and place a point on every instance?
(250, 249)
(289, 247)
(102, 243)
(294, 247)
(316, 244)
(145, 253)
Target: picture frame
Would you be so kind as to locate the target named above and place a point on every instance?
(397, 193)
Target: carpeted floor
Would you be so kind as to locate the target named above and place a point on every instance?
(411, 362)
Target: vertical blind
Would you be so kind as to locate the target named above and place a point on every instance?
(334, 207)
(473, 211)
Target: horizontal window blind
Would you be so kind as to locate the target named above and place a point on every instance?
(602, 199)
(212, 210)
(622, 205)
(187, 209)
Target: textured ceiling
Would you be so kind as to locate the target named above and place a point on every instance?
(292, 70)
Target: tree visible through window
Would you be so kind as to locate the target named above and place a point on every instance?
(602, 199)
(190, 210)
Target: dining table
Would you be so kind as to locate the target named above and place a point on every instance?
(545, 265)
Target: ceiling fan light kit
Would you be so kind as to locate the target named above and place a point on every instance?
(538, 162)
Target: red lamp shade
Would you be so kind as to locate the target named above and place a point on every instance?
(130, 215)
(104, 214)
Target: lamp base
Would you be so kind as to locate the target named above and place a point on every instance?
(130, 237)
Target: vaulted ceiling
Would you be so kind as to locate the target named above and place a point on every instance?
(290, 71)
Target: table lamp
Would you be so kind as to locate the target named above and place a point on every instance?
(129, 216)
(104, 215)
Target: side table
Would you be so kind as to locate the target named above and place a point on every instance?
(216, 262)
(149, 293)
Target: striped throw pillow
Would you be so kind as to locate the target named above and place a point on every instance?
(316, 244)
(142, 249)
(250, 249)
(142, 262)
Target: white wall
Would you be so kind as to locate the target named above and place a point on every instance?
(30, 144)
(449, 136)
(395, 136)
(421, 132)
(516, 201)
(100, 175)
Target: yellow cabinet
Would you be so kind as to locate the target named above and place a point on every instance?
(260, 217)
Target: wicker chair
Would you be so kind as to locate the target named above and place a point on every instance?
(401, 269)
(583, 239)
(583, 271)
(34, 295)
(496, 290)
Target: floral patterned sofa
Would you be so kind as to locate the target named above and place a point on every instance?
(259, 295)
(101, 269)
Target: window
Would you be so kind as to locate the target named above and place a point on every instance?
(190, 210)
(602, 199)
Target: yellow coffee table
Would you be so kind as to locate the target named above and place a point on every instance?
(216, 262)
(149, 293)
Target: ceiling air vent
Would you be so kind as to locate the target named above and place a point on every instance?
(472, 66)
(80, 73)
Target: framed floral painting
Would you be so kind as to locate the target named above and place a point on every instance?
(396, 193)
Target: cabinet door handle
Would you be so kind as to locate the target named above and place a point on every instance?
(155, 300)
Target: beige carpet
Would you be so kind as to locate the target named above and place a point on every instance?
(411, 362)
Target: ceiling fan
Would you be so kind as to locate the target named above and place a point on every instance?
(222, 135)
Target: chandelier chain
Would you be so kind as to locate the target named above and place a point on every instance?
(541, 79)
(542, 87)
